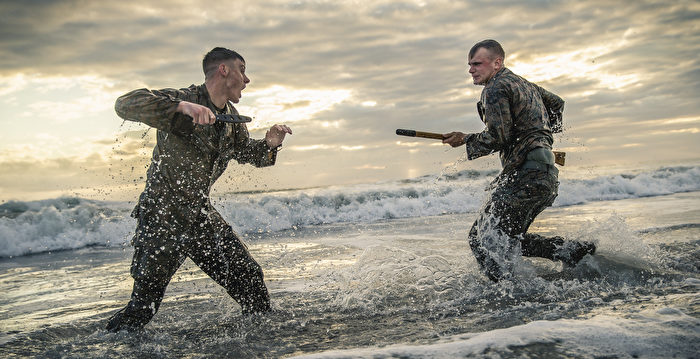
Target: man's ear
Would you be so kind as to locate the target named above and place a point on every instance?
(498, 63)
(223, 69)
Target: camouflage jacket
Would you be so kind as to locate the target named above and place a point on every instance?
(519, 117)
(187, 158)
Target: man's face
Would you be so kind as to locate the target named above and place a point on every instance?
(236, 79)
(482, 66)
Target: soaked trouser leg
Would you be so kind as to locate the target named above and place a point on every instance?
(215, 249)
(156, 259)
(225, 259)
(506, 216)
(493, 249)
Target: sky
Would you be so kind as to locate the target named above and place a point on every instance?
(344, 75)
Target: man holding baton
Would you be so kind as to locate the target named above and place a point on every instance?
(520, 118)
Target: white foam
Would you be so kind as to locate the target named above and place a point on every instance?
(657, 182)
(64, 223)
(388, 276)
(666, 332)
(614, 238)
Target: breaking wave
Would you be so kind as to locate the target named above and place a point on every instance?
(70, 223)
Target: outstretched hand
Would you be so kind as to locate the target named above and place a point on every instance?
(201, 115)
(454, 139)
(275, 135)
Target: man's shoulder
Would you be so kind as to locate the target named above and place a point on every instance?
(194, 93)
(190, 93)
(193, 89)
(510, 82)
(508, 78)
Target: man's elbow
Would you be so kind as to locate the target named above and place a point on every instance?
(120, 108)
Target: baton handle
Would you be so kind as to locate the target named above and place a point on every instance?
(412, 133)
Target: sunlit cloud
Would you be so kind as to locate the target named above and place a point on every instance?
(318, 147)
(672, 132)
(42, 84)
(582, 63)
(417, 144)
(673, 121)
(407, 144)
(352, 148)
(282, 104)
(11, 84)
(57, 98)
(310, 148)
(369, 167)
(333, 124)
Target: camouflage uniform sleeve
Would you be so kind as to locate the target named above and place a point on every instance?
(555, 107)
(155, 108)
(497, 117)
(255, 152)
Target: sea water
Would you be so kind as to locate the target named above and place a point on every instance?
(375, 270)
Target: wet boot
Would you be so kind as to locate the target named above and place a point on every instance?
(130, 318)
(535, 245)
(555, 248)
(573, 251)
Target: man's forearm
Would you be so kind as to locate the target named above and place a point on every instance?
(479, 144)
(258, 153)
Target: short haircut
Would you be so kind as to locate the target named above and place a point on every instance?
(215, 57)
(493, 47)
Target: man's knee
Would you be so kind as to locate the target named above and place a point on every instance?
(156, 261)
(231, 265)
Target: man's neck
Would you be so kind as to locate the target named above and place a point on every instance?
(495, 74)
(216, 94)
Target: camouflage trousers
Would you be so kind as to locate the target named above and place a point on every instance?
(498, 236)
(212, 245)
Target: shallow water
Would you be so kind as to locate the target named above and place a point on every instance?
(395, 288)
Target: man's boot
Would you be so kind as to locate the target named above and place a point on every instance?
(571, 252)
(130, 318)
(555, 248)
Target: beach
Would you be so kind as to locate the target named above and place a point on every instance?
(377, 270)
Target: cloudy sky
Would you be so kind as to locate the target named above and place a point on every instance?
(344, 75)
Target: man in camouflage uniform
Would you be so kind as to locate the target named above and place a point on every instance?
(175, 216)
(520, 118)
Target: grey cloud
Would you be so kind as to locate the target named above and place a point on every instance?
(411, 60)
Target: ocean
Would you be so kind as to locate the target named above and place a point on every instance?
(378, 270)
